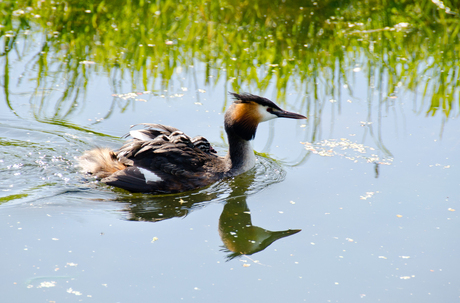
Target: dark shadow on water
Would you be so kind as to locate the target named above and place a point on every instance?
(238, 234)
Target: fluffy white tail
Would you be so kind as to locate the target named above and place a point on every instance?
(100, 162)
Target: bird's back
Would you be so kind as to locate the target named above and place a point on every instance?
(161, 159)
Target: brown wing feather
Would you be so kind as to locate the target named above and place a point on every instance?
(179, 162)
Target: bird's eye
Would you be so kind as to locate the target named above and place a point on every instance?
(270, 110)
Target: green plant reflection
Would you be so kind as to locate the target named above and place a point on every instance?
(398, 44)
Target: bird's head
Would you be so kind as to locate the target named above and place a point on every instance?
(247, 111)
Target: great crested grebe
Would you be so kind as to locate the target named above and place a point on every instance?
(161, 159)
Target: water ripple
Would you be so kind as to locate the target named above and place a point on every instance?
(37, 165)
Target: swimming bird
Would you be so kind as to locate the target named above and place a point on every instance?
(161, 159)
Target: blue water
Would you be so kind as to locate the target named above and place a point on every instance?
(374, 189)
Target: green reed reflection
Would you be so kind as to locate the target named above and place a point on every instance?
(295, 44)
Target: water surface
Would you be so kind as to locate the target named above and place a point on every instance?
(359, 202)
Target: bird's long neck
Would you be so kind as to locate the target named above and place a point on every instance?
(240, 155)
(240, 127)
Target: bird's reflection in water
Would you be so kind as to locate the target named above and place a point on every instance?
(238, 234)
(240, 237)
(158, 208)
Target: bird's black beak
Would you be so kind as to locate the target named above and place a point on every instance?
(286, 114)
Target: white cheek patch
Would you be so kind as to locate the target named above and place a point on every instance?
(148, 175)
(265, 116)
(139, 135)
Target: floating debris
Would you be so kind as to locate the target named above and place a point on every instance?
(440, 4)
(133, 96)
(87, 62)
(368, 195)
(72, 264)
(439, 165)
(403, 26)
(47, 284)
(347, 149)
(406, 277)
(71, 291)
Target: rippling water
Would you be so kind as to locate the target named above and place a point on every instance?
(41, 163)
(37, 162)
(357, 203)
